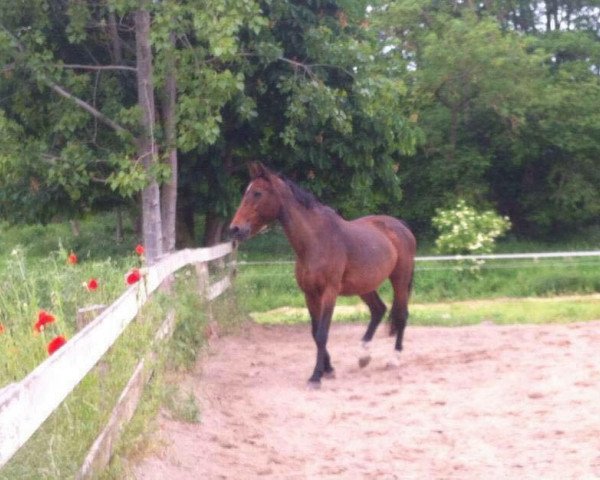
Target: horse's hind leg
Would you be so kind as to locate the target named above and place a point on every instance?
(399, 318)
(402, 285)
(377, 309)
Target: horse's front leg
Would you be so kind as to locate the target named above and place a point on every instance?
(321, 310)
(314, 309)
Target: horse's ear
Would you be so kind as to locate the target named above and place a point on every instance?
(257, 170)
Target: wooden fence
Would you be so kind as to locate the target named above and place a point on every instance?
(25, 405)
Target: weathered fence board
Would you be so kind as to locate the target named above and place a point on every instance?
(99, 454)
(101, 451)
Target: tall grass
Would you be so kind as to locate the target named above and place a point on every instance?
(58, 448)
(35, 275)
(96, 239)
(53, 285)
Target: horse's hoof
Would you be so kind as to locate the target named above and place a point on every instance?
(330, 374)
(364, 361)
(394, 362)
(313, 384)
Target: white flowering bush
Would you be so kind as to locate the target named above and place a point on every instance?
(464, 230)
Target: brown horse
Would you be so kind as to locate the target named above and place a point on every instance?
(333, 256)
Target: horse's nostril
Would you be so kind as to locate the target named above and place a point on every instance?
(233, 230)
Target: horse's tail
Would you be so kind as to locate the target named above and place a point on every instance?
(404, 276)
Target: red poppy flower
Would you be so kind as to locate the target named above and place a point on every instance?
(92, 284)
(2, 329)
(133, 276)
(44, 318)
(55, 344)
(72, 259)
(139, 249)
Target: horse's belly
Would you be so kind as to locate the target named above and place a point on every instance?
(357, 284)
(359, 279)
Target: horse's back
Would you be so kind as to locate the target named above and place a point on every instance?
(396, 229)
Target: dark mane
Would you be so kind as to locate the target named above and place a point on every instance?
(304, 198)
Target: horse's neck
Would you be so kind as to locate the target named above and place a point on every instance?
(307, 229)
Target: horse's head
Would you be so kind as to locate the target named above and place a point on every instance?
(260, 204)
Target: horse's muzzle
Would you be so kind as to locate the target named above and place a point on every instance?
(239, 233)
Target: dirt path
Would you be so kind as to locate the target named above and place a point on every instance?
(467, 403)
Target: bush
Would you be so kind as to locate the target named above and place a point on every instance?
(463, 230)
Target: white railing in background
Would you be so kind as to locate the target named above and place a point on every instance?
(25, 405)
(509, 256)
(445, 258)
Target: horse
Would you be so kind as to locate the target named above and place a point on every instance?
(334, 256)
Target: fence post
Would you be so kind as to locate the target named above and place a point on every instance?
(203, 278)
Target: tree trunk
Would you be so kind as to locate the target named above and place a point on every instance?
(169, 189)
(454, 117)
(115, 40)
(151, 214)
(213, 229)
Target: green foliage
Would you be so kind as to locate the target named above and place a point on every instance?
(96, 240)
(55, 156)
(265, 287)
(466, 230)
(394, 107)
(557, 150)
(321, 104)
(507, 108)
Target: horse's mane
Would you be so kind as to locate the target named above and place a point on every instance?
(304, 198)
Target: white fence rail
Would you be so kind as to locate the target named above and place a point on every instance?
(510, 256)
(24, 406)
(445, 258)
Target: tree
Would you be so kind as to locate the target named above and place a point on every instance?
(494, 105)
(496, 98)
(322, 103)
(473, 83)
(113, 137)
(556, 153)
(146, 143)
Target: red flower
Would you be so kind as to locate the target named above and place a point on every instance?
(133, 276)
(139, 249)
(92, 284)
(44, 318)
(55, 344)
(2, 329)
(72, 259)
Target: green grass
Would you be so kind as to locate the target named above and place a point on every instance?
(96, 240)
(451, 314)
(50, 284)
(263, 285)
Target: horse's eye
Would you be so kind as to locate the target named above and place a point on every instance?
(256, 194)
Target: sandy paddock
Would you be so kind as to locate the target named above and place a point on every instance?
(477, 402)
